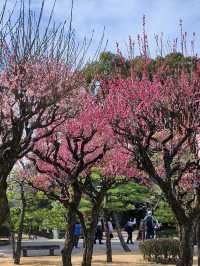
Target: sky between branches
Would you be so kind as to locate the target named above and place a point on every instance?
(122, 18)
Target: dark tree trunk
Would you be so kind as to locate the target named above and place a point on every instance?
(198, 241)
(4, 207)
(186, 245)
(108, 240)
(185, 224)
(13, 244)
(17, 253)
(89, 245)
(69, 238)
(174, 196)
(89, 240)
(178, 230)
(5, 169)
(119, 233)
(83, 226)
(72, 208)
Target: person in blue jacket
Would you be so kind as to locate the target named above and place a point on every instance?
(77, 233)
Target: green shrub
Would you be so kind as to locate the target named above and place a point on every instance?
(163, 250)
(166, 233)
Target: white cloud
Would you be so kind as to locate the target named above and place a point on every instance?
(124, 17)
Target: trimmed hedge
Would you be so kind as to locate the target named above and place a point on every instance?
(162, 250)
(166, 233)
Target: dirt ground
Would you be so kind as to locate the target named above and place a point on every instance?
(122, 259)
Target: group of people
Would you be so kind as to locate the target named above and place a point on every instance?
(147, 228)
(98, 234)
(100, 230)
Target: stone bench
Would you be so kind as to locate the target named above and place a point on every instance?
(51, 249)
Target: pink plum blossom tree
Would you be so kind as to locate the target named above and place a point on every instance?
(65, 161)
(157, 121)
(65, 158)
(37, 76)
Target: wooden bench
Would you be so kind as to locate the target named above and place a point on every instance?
(51, 249)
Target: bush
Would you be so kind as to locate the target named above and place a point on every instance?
(166, 233)
(163, 250)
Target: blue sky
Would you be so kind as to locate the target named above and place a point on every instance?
(122, 18)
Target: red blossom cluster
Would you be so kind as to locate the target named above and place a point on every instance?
(79, 144)
(159, 117)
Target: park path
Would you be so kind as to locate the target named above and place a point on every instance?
(116, 246)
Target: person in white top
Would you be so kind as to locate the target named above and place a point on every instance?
(131, 222)
(110, 228)
(129, 229)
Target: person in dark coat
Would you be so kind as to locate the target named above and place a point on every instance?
(99, 233)
(150, 223)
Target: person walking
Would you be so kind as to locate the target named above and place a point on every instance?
(77, 234)
(129, 229)
(110, 228)
(99, 233)
(150, 223)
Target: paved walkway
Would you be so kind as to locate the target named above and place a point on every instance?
(7, 250)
